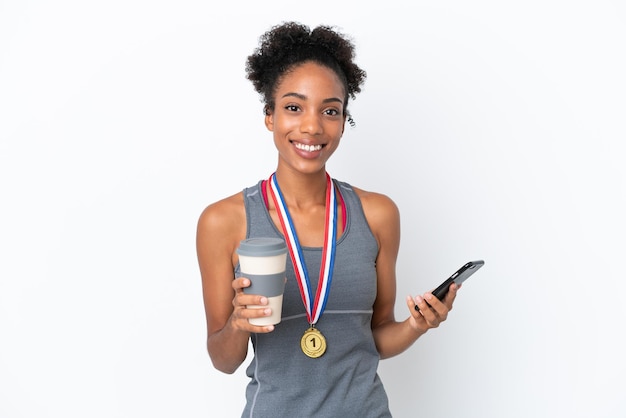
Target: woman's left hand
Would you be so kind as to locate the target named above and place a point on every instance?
(432, 311)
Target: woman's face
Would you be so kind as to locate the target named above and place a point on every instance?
(308, 117)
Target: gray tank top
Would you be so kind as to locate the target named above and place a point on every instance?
(344, 382)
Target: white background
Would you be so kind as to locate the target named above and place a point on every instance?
(497, 127)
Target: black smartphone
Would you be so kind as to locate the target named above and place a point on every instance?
(458, 277)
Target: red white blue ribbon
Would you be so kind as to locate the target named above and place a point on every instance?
(314, 307)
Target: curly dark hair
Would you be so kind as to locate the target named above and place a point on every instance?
(289, 44)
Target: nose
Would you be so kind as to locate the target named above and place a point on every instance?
(311, 123)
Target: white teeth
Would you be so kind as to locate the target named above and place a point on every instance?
(308, 148)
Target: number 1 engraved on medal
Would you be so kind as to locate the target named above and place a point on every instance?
(313, 343)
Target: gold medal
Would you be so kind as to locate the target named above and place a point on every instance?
(313, 343)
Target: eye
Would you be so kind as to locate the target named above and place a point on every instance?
(331, 112)
(292, 108)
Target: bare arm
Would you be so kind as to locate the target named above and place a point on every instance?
(392, 337)
(220, 229)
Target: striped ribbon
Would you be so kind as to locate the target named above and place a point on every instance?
(314, 307)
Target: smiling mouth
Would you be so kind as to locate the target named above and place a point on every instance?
(308, 148)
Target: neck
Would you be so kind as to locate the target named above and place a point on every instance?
(302, 190)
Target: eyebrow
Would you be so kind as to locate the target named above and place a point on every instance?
(303, 97)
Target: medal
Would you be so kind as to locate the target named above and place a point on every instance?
(313, 343)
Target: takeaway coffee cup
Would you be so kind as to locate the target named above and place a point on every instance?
(263, 261)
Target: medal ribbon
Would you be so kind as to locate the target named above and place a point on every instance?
(314, 308)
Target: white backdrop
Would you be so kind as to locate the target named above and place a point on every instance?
(497, 127)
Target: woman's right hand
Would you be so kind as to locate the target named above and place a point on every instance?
(241, 312)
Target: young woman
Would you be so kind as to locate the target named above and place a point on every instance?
(306, 78)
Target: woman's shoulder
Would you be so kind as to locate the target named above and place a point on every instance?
(225, 216)
(375, 201)
(379, 209)
(382, 215)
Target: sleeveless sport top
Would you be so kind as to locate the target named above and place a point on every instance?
(344, 382)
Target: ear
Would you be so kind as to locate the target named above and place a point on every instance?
(269, 118)
(269, 122)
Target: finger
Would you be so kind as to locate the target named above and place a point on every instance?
(256, 311)
(242, 316)
(420, 304)
(430, 317)
(411, 303)
(251, 306)
(245, 299)
(451, 296)
(240, 283)
(439, 309)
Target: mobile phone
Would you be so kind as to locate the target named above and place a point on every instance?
(458, 277)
